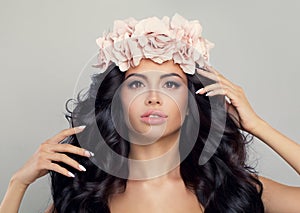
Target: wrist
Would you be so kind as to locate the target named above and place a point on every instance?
(17, 181)
(258, 127)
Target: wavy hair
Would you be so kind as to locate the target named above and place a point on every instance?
(225, 183)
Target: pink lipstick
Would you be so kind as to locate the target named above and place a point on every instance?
(154, 117)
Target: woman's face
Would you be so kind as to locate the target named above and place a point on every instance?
(154, 98)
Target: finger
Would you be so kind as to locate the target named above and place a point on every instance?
(57, 168)
(58, 157)
(207, 74)
(220, 77)
(227, 92)
(213, 87)
(65, 133)
(219, 91)
(211, 69)
(224, 81)
(208, 88)
(216, 76)
(70, 149)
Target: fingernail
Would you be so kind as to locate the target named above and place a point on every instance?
(89, 153)
(92, 154)
(81, 127)
(227, 99)
(71, 174)
(82, 168)
(199, 90)
(208, 94)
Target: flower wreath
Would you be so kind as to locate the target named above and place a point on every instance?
(156, 39)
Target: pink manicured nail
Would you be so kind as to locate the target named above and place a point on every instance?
(199, 90)
(209, 93)
(82, 168)
(71, 174)
(89, 153)
(81, 127)
(227, 99)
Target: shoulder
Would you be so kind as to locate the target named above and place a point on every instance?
(50, 209)
(278, 197)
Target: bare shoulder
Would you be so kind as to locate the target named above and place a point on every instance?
(279, 197)
(50, 209)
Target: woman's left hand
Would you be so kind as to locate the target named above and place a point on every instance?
(238, 105)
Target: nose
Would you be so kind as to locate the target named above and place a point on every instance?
(153, 98)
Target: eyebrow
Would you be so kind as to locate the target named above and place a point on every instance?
(161, 77)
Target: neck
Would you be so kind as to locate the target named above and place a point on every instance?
(156, 159)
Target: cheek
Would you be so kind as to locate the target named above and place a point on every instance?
(180, 100)
(130, 106)
(129, 101)
(176, 105)
(125, 103)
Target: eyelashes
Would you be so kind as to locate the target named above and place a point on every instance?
(171, 85)
(135, 85)
(139, 84)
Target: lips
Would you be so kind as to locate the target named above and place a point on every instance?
(154, 117)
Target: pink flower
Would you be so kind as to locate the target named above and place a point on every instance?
(152, 26)
(157, 39)
(103, 60)
(186, 56)
(185, 30)
(159, 48)
(128, 54)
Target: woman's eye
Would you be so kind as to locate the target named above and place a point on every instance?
(135, 85)
(171, 85)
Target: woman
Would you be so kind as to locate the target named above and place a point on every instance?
(149, 127)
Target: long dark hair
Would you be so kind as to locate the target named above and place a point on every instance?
(223, 184)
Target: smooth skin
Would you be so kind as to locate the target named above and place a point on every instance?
(276, 197)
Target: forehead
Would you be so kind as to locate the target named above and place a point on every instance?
(147, 65)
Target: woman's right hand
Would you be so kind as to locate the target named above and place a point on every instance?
(47, 154)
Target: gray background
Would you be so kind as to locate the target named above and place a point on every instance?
(45, 44)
